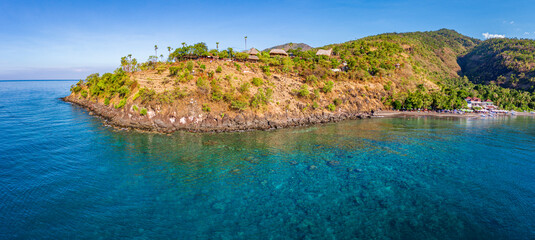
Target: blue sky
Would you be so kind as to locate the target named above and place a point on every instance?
(71, 39)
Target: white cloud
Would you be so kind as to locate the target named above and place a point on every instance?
(526, 33)
(488, 35)
(512, 22)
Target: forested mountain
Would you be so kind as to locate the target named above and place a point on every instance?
(507, 62)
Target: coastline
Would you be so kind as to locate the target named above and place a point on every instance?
(394, 114)
(165, 123)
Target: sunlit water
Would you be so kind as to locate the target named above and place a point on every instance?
(65, 175)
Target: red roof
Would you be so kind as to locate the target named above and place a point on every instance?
(468, 98)
(488, 100)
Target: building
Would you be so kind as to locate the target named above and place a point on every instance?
(323, 52)
(478, 103)
(253, 51)
(278, 52)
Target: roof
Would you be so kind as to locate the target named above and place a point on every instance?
(253, 57)
(488, 100)
(324, 52)
(278, 52)
(253, 51)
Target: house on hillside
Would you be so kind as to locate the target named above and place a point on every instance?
(323, 52)
(278, 52)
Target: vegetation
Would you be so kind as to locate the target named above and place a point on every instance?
(257, 81)
(506, 62)
(453, 92)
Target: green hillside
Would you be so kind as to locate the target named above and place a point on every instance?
(507, 62)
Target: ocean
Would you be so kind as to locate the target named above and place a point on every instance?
(64, 174)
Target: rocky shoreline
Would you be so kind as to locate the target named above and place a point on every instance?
(206, 122)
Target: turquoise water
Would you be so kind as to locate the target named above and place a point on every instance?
(65, 175)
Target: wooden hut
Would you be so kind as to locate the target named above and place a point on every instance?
(253, 58)
(323, 52)
(278, 52)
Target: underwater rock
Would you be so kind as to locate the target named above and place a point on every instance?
(312, 167)
(293, 163)
(333, 163)
(235, 171)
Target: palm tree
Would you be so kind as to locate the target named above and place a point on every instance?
(183, 44)
(245, 42)
(169, 49)
(156, 50)
(217, 46)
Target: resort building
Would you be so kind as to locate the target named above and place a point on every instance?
(278, 52)
(475, 103)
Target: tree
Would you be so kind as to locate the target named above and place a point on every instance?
(156, 50)
(217, 46)
(230, 52)
(245, 42)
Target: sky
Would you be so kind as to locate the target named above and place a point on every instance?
(72, 39)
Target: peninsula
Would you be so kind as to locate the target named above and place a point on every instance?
(201, 90)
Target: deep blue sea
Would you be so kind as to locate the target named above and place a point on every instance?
(65, 175)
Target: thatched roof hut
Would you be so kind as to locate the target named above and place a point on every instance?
(253, 51)
(278, 52)
(253, 58)
(324, 52)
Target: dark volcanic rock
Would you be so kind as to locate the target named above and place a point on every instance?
(159, 122)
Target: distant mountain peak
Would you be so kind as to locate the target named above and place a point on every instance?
(286, 46)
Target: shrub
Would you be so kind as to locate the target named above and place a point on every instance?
(316, 93)
(217, 93)
(173, 71)
(84, 93)
(238, 66)
(238, 105)
(179, 93)
(266, 70)
(311, 78)
(331, 107)
(257, 81)
(201, 83)
(160, 69)
(189, 66)
(123, 91)
(262, 97)
(219, 69)
(107, 101)
(303, 91)
(203, 67)
(328, 87)
(337, 101)
(143, 112)
(244, 88)
(135, 108)
(121, 103)
(315, 105)
(205, 108)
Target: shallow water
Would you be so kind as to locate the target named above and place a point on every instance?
(65, 175)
